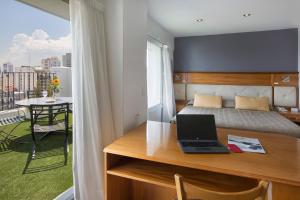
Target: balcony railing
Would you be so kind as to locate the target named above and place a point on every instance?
(15, 85)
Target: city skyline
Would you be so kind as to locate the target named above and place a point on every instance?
(27, 40)
(54, 61)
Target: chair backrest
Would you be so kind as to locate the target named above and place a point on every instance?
(32, 94)
(40, 111)
(186, 190)
(12, 116)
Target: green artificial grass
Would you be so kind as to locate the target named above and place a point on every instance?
(43, 178)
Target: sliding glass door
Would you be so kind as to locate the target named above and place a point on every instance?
(154, 81)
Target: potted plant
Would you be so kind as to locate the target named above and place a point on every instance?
(54, 87)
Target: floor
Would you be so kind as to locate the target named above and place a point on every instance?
(46, 177)
(66, 195)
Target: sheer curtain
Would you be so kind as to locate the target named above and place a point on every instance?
(160, 91)
(168, 100)
(92, 118)
(154, 75)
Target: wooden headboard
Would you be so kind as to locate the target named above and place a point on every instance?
(280, 79)
(218, 78)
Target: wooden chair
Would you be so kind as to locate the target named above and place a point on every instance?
(186, 190)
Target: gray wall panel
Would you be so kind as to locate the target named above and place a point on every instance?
(265, 51)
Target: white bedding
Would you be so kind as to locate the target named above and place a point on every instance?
(248, 120)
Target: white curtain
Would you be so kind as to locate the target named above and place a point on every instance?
(154, 75)
(168, 100)
(92, 118)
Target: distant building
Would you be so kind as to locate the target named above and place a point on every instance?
(24, 69)
(43, 81)
(30, 77)
(67, 60)
(8, 67)
(24, 78)
(51, 62)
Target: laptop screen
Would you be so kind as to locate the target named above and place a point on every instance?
(196, 127)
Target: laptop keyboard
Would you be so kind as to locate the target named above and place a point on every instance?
(200, 144)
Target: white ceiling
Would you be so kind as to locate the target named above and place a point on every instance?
(224, 16)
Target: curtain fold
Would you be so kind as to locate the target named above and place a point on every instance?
(154, 75)
(168, 104)
(92, 119)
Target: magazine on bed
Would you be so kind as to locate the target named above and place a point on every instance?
(246, 144)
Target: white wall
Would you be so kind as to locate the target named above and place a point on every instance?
(158, 32)
(113, 16)
(135, 45)
(126, 22)
(155, 30)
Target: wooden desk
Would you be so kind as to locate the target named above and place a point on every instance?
(141, 164)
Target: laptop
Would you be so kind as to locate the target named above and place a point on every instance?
(198, 134)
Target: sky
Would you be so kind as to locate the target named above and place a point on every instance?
(28, 34)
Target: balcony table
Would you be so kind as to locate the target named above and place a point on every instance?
(44, 101)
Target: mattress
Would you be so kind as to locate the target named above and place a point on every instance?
(261, 121)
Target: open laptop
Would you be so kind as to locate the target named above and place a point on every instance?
(198, 134)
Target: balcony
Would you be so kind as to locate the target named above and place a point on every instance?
(22, 177)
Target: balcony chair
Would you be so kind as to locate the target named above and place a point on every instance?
(186, 190)
(10, 117)
(38, 114)
(32, 94)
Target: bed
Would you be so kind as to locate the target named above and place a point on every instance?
(229, 117)
(261, 121)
